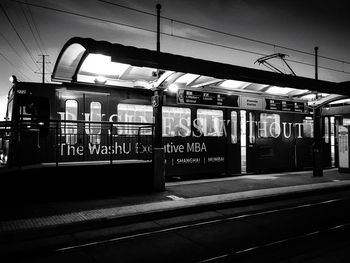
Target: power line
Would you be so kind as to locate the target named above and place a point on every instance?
(38, 34)
(84, 16)
(43, 70)
(171, 35)
(31, 30)
(19, 36)
(35, 39)
(16, 52)
(225, 33)
(16, 68)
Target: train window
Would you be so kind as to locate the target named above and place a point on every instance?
(308, 127)
(251, 128)
(210, 122)
(346, 121)
(9, 110)
(94, 129)
(176, 121)
(134, 113)
(269, 125)
(332, 140)
(70, 129)
(326, 130)
(233, 127)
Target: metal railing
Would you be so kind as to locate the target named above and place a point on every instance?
(61, 141)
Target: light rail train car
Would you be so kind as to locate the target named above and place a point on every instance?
(204, 132)
(217, 119)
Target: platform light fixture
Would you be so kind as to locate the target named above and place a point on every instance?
(100, 80)
(233, 84)
(279, 90)
(173, 88)
(102, 65)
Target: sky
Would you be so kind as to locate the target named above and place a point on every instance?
(230, 31)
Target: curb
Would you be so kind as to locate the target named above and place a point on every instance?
(31, 228)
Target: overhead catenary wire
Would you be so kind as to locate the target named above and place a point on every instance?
(252, 52)
(171, 35)
(224, 33)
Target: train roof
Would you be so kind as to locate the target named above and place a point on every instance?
(86, 60)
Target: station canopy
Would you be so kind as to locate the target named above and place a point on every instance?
(85, 60)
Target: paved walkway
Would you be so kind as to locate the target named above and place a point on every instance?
(31, 217)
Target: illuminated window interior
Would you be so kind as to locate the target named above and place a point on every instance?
(269, 125)
(134, 113)
(326, 130)
(210, 122)
(94, 129)
(308, 127)
(233, 127)
(70, 128)
(176, 121)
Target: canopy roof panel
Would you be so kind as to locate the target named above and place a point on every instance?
(88, 60)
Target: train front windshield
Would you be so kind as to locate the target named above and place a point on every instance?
(9, 110)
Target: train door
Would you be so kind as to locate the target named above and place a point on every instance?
(332, 140)
(270, 141)
(304, 140)
(34, 115)
(248, 136)
(233, 159)
(95, 136)
(284, 144)
(326, 142)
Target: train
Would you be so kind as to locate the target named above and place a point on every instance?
(217, 119)
(205, 131)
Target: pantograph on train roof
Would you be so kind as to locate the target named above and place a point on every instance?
(90, 61)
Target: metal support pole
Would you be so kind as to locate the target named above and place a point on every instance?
(158, 6)
(316, 63)
(317, 116)
(43, 77)
(111, 144)
(158, 150)
(58, 145)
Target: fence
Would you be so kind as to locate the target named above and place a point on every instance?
(60, 141)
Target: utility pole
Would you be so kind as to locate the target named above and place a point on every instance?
(158, 6)
(43, 70)
(317, 116)
(316, 63)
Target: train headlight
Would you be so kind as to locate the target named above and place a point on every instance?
(13, 79)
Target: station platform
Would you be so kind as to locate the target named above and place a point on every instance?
(26, 220)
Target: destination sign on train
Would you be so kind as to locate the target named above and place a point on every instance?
(284, 105)
(207, 98)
